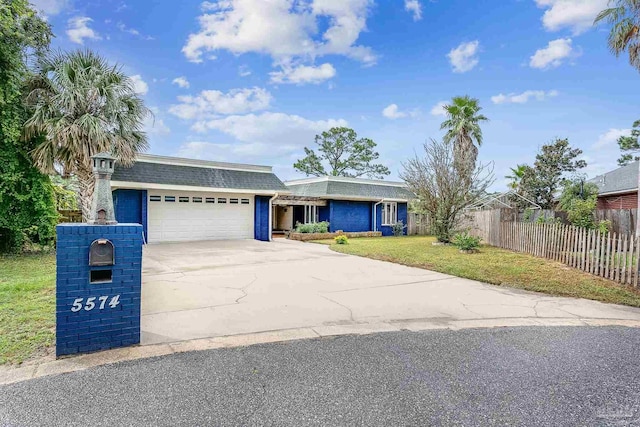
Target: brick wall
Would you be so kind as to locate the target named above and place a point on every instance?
(402, 216)
(261, 219)
(349, 215)
(130, 207)
(619, 201)
(106, 324)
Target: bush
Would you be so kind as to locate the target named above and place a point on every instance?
(341, 239)
(603, 226)
(398, 228)
(466, 242)
(316, 227)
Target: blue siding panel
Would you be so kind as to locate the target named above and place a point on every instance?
(350, 216)
(261, 219)
(324, 213)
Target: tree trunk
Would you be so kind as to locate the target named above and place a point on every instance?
(86, 185)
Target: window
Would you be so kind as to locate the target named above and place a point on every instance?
(244, 201)
(310, 214)
(389, 213)
(183, 199)
(197, 200)
(233, 201)
(169, 198)
(210, 200)
(222, 200)
(155, 198)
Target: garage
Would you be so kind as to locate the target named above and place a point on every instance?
(179, 200)
(183, 216)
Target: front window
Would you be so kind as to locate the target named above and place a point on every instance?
(389, 213)
(310, 214)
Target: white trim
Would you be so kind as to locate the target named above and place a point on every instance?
(345, 179)
(151, 186)
(166, 160)
(615, 193)
(393, 212)
(363, 199)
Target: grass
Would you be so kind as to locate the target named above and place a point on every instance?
(491, 265)
(27, 306)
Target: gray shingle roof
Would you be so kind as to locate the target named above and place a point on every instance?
(619, 180)
(328, 189)
(159, 173)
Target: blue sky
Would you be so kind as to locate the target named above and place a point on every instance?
(254, 80)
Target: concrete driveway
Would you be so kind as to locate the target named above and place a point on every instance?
(210, 289)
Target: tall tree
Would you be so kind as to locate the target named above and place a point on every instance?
(464, 131)
(624, 17)
(516, 176)
(83, 105)
(27, 212)
(630, 145)
(442, 192)
(555, 160)
(345, 154)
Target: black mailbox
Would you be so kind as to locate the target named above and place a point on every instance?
(101, 253)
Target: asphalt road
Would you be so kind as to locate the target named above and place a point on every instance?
(534, 376)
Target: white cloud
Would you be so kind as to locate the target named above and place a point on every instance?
(156, 126)
(577, 15)
(464, 57)
(553, 55)
(521, 98)
(303, 74)
(181, 82)
(438, 109)
(244, 71)
(50, 7)
(414, 7)
(122, 27)
(78, 29)
(284, 29)
(609, 139)
(270, 130)
(211, 103)
(139, 86)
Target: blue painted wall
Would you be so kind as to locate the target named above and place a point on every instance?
(130, 207)
(92, 328)
(261, 219)
(324, 213)
(402, 216)
(349, 215)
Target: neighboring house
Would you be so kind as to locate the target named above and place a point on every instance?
(349, 204)
(183, 199)
(618, 189)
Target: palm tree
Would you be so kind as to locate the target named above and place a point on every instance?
(516, 176)
(624, 16)
(81, 106)
(463, 130)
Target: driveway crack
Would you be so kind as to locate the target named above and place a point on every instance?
(341, 305)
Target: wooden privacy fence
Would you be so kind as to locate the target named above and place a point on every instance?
(610, 255)
(419, 224)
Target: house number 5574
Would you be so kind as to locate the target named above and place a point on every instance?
(94, 302)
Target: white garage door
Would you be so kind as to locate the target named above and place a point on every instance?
(179, 216)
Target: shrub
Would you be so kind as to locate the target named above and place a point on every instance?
(398, 228)
(316, 227)
(341, 239)
(603, 226)
(466, 242)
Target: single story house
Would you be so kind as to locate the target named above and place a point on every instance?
(178, 199)
(348, 204)
(618, 189)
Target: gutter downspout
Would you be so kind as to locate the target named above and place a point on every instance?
(271, 216)
(375, 215)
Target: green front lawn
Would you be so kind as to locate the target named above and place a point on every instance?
(27, 306)
(491, 265)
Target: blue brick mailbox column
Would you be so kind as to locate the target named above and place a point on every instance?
(106, 313)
